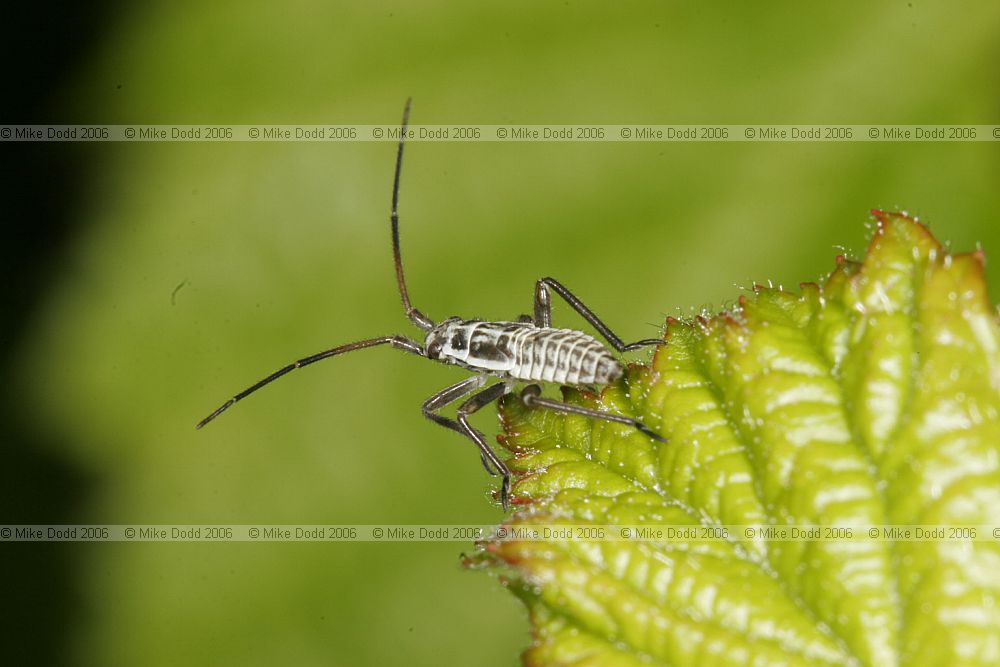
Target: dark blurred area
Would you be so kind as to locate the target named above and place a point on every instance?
(41, 184)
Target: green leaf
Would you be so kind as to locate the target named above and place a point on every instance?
(872, 400)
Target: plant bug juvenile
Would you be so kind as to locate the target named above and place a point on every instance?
(528, 350)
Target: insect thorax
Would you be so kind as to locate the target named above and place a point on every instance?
(522, 351)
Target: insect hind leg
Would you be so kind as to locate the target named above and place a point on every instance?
(543, 314)
(531, 396)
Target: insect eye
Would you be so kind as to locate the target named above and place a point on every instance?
(434, 350)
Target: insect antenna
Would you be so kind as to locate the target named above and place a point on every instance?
(415, 315)
(399, 342)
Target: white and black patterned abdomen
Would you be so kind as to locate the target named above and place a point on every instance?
(563, 356)
(522, 351)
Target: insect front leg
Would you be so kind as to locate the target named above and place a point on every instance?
(531, 396)
(477, 402)
(490, 460)
(543, 314)
(450, 395)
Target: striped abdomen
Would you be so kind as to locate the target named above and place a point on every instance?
(563, 356)
(522, 351)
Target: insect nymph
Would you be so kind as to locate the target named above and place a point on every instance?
(528, 350)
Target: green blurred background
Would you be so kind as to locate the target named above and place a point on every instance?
(283, 250)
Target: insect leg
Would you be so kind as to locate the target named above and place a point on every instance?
(543, 314)
(400, 342)
(477, 402)
(450, 395)
(532, 398)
